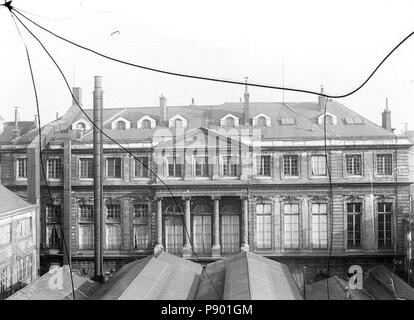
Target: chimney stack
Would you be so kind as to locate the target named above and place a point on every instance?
(97, 180)
(246, 116)
(77, 96)
(1, 125)
(163, 109)
(386, 117)
(15, 132)
(16, 118)
(322, 100)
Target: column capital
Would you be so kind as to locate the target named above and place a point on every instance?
(215, 197)
(244, 197)
(186, 197)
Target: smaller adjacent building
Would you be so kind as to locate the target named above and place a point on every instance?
(19, 257)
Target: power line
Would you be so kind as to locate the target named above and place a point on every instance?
(192, 76)
(41, 156)
(123, 148)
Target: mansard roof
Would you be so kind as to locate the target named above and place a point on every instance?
(305, 115)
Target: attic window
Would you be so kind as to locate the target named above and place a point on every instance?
(328, 119)
(81, 126)
(287, 121)
(146, 124)
(353, 121)
(178, 123)
(229, 122)
(120, 125)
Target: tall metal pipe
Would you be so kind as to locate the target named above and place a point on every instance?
(97, 181)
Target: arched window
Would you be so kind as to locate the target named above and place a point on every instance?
(173, 209)
(230, 122)
(328, 119)
(81, 126)
(261, 122)
(121, 125)
(178, 123)
(146, 124)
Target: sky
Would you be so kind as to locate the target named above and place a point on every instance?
(301, 44)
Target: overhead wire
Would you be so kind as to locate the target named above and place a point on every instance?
(123, 148)
(41, 156)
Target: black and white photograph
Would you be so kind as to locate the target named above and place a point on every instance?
(190, 152)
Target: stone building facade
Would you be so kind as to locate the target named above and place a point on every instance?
(224, 178)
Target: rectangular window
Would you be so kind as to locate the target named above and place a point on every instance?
(354, 212)
(174, 234)
(86, 236)
(291, 226)
(384, 164)
(141, 167)
(319, 226)
(263, 165)
(53, 236)
(24, 269)
(5, 279)
(264, 226)
(231, 166)
(291, 165)
(5, 234)
(86, 213)
(113, 236)
(86, 168)
(202, 234)
(230, 234)
(114, 167)
(113, 212)
(141, 236)
(201, 166)
(141, 210)
(354, 164)
(318, 165)
(53, 213)
(54, 168)
(21, 167)
(24, 228)
(384, 225)
(175, 165)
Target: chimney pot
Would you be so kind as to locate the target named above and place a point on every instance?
(322, 100)
(163, 109)
(386, 117)
(246, 105)
(77, 96)
(16, 118)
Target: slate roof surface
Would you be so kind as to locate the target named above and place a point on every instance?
(305, 116)
(9, 201)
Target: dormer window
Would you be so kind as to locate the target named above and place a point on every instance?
(229, 121)
(146, 122)
(120, 124)
(81, 126)
(177, 122)
(328, 117)
(261, 120)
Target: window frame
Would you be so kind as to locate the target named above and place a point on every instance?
(17, 169)
(310, 163)
(270, 166)
(392, 220)
(271, 215)
(223, 163)
(299, 214)
(107, 159)
(383, 175)
(55, 168)
(175, 164)
(80, 159)
(282, 167)
(345, 170)
(362, 225)
(205, 166)
(327, 215)
(134, 168)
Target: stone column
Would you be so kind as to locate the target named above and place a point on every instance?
(187, 252)
(245, 224)
(159, 247)
(216, 248)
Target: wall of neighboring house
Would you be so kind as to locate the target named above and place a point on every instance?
(18, 252)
